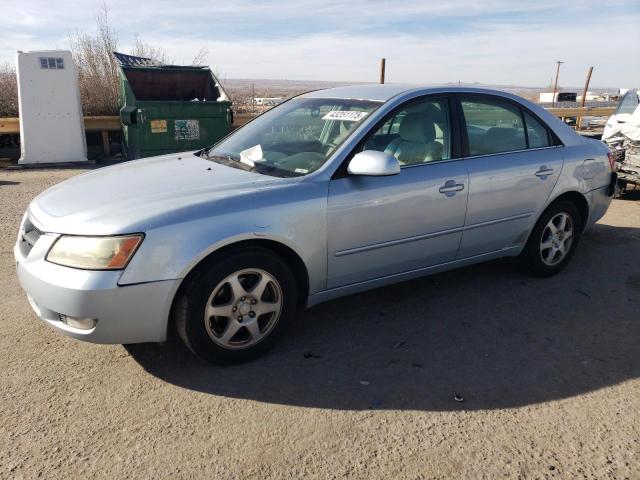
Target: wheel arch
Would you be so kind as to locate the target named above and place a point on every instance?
(578, 199)
(290, 256)
(573, 196)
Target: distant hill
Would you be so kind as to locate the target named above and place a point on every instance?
(241, 89)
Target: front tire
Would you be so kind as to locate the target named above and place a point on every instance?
(553, 240)
(236, 306)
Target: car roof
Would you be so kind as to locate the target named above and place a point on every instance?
(386, 92)
(375, 92)
(383, 93)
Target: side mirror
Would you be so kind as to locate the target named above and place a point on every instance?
(373, 163)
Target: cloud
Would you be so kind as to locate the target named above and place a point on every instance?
(492, 41)
(498, 54)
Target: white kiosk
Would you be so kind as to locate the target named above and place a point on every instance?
(51, 123)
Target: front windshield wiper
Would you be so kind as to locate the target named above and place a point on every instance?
(229, 160)
(275, 171)
(233, 160)
(210, 154)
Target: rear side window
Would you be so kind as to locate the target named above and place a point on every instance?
(537, 133)
(493, 127)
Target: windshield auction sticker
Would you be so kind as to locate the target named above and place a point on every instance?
(345, 115)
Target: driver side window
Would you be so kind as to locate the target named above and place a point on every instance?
(416, 133)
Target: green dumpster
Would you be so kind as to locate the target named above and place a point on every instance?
(169, 108)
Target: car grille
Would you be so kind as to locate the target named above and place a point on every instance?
(30, 235)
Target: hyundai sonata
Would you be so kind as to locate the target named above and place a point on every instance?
(330, 193)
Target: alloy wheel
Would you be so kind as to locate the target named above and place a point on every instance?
(556, 239)
(243, 309)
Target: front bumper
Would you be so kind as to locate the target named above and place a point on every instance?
(125, 314)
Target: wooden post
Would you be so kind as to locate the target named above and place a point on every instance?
(382, 69)
(106, 146)
(586, 86)
(555, 85)
(584, 96)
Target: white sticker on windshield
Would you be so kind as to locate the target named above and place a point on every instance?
(345, 115)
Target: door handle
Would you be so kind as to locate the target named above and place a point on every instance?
(451, 187)
(544, 171)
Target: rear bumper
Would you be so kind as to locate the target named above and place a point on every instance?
(599, 201)
(125, 314)
(612, 184)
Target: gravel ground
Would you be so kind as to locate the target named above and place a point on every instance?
(362, 387)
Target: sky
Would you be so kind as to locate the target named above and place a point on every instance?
(497, 42)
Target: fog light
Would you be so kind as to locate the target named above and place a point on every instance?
(80, 323)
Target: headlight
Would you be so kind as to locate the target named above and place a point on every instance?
(94, 253)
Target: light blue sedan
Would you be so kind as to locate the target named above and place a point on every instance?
(331, 193)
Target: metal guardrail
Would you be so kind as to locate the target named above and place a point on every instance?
(582, 111)
(11, 125)
(104, 125)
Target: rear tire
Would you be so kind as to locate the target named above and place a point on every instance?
(553, 240)
(236, 306)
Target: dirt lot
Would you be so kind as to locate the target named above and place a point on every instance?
(362, 387)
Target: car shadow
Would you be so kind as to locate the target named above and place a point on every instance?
(631, 195)
(489, 334)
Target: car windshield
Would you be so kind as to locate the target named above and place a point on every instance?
(293, 139)
(629, 102)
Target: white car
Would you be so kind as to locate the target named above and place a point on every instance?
(622, 136)
(626, 108)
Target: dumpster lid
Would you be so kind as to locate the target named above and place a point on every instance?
(133, 61)
(151, 80)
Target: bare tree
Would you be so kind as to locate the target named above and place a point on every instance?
(97, 68)
(141, 49)
(8, 91)
(201, 57)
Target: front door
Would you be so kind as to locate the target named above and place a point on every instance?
(380, 226)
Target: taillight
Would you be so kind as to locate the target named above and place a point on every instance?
(612, 161)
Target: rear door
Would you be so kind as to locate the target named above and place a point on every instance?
(514, 161)
(381, 226)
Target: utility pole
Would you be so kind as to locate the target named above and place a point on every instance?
(555, 85)
(584, 96)
(382, 69)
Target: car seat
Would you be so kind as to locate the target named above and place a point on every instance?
(416, 142)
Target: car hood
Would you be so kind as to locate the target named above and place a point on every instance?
(141, 194)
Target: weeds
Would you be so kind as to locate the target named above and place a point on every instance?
(8, 91)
